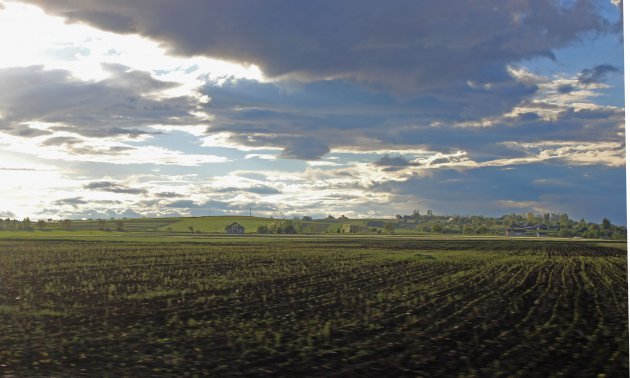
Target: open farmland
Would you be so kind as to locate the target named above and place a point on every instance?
(336, 306)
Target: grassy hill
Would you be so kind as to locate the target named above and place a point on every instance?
(131, 224)
(215, 224)
(218, 223)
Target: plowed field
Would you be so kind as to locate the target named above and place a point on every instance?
(314, 307)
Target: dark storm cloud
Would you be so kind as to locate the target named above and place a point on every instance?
(408, 44)
(393, 163)
(74, 202)
(107, 186)
(307, 121)
(111, 107)
(304, 148)
(596, 74)
(566, 88)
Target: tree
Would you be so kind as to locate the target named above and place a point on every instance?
(262, 229)
(191, 229)
(605, 224)
(288, 227)
(389, 227)
(26, 224)
(531, 219)
(593, 233)
(120, 226)
(436, 227)
(482, 230)
(565, 233)
(101, 224)
(582, 224)
(284, 227)
(66, 224)
(41, 224)
(509, 220)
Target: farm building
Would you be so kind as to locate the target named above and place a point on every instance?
(234, 228)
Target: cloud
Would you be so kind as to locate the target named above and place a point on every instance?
(311, 121)
(115, 106)
(107, 186)
(134, 81)
(566, 88)
(7, 214)
(256, 189)
(168, 195)
(393, 163)
(412, 105)
(103, 213)
(371, 42)
(183, 204)
(76, 148)
(74, 202)
(59, 141)
(596, 74)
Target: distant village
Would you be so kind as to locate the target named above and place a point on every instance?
(511, 225)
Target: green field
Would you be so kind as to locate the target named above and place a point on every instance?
(315, 306)
(216, 224)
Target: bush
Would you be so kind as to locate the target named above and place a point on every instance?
(284, 227)
(262, 229)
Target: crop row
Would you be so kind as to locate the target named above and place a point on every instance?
(348, 306)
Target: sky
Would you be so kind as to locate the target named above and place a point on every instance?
(362, 108)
